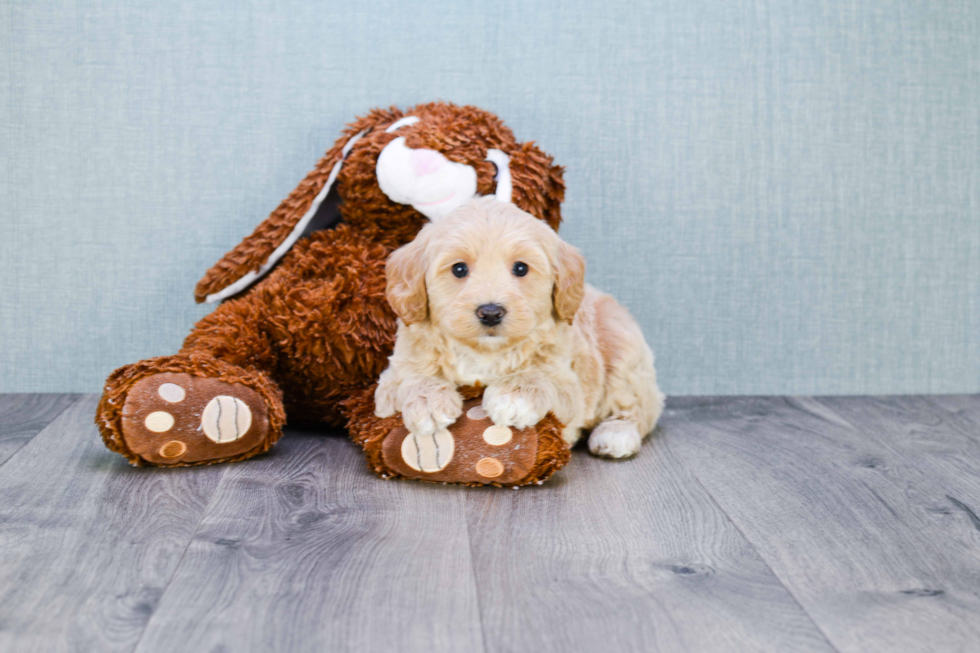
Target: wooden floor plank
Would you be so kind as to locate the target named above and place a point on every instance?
(866, 509)
(625, 556)
(849, 525)
(88, 542)
(306, 551)
(938, 435)
(22, 416)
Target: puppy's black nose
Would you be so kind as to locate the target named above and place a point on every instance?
(491, 314)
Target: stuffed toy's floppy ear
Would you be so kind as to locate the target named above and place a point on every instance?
(405, 273)
(538, 184)
(569, 280)
(270, 241)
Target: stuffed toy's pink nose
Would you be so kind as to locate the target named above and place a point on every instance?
(425, 162)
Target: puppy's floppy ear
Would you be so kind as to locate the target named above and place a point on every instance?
(569, 279)
(405, 276)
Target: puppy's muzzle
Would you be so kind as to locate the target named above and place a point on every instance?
(491, 314)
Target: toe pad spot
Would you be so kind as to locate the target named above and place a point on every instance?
(428, 453)
(476, 413)
(489, 467)
(159, 421)
(226, 419)
(497, 435)
(171, 392)
(173, 449)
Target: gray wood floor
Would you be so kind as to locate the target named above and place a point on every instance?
(746, 524)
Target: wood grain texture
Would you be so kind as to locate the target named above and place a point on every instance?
(22, 416)
(853, 527)
(88, 543)
(306, 551)
(625, 556)
(939, 436)
(748, 524)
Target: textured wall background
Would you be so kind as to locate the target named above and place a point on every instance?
(787, 194)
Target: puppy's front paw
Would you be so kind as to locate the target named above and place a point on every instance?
(431, 412)
(615, 439)
(511, 408)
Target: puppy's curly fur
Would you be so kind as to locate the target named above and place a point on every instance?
(552, 342)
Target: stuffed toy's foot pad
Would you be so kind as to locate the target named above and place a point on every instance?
(174, 418)
(471, 451)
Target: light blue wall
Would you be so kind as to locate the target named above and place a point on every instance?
(787, 194)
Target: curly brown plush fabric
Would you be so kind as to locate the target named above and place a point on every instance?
(317, 329)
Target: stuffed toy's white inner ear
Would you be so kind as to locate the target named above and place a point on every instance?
(402, 122)
(425, 179)
(248, 279)
(505, 185)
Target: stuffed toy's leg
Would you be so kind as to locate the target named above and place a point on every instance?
(472, 451)
(212, 402)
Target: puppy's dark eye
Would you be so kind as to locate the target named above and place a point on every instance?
(460, 270)
(520, 269)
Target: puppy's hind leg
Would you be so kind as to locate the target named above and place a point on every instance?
(633, 403)
(615, 438)
(620, 435)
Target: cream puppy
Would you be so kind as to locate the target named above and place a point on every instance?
(490, 295)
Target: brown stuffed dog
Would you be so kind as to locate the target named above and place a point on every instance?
(304, 328)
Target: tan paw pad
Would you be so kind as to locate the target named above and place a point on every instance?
(428, 453)
(173, 449)
(489, 467)
(226, 419)
(159, 421)
(497, 435)
(476, 413)
(171, 392)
